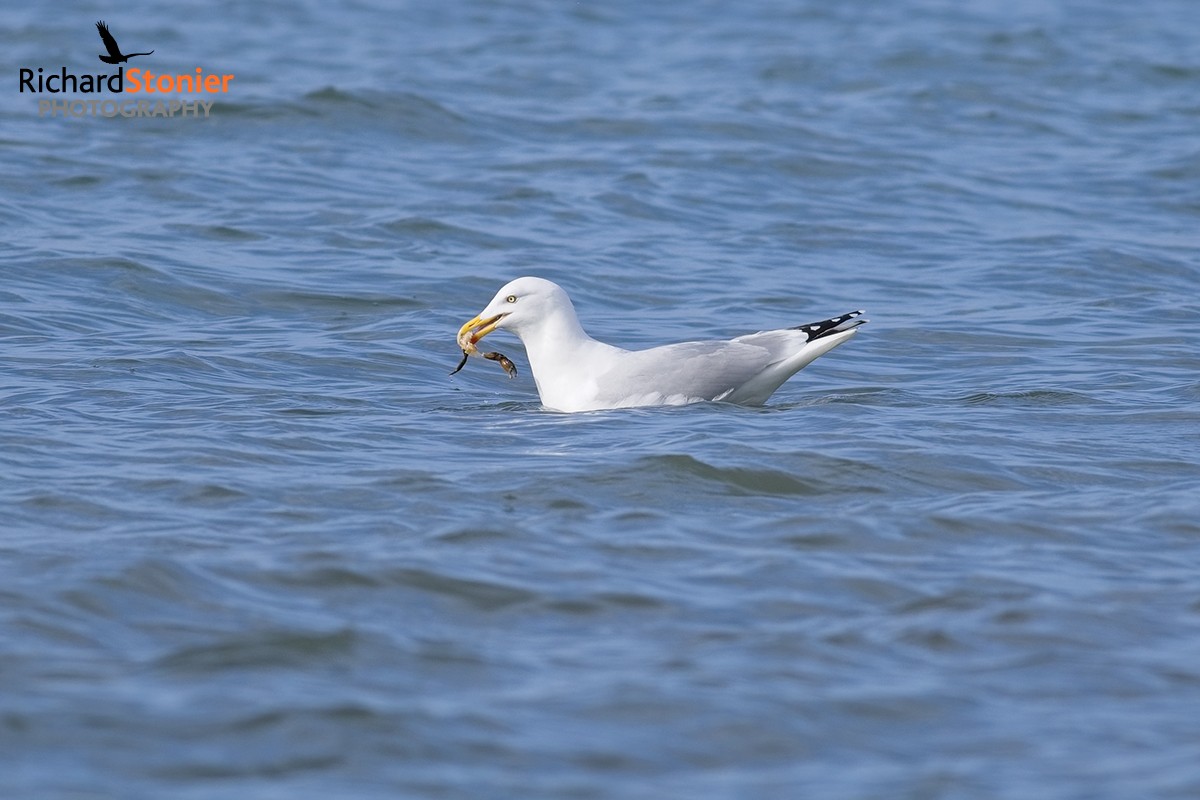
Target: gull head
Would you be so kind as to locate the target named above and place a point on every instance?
(521, 306)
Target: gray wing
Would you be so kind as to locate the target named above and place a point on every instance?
(695, 370)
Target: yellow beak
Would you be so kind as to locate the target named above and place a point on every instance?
(476, 329)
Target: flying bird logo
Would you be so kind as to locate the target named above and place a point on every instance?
(177, 94)
(115, 56)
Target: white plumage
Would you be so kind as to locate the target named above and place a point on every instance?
(575, 372)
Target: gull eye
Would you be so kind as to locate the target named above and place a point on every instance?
(512, 298)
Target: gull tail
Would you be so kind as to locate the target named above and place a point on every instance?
(822, 337)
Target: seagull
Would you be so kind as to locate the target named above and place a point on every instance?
(575, 372)
(114, 53)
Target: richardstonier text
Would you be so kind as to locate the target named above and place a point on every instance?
(139, 80)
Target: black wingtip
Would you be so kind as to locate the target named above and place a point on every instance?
(828, 327)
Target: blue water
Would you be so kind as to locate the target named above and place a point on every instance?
(258, 544)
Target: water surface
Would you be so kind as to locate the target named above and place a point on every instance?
(258, 544)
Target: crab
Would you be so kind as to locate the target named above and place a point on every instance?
(467, 339)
